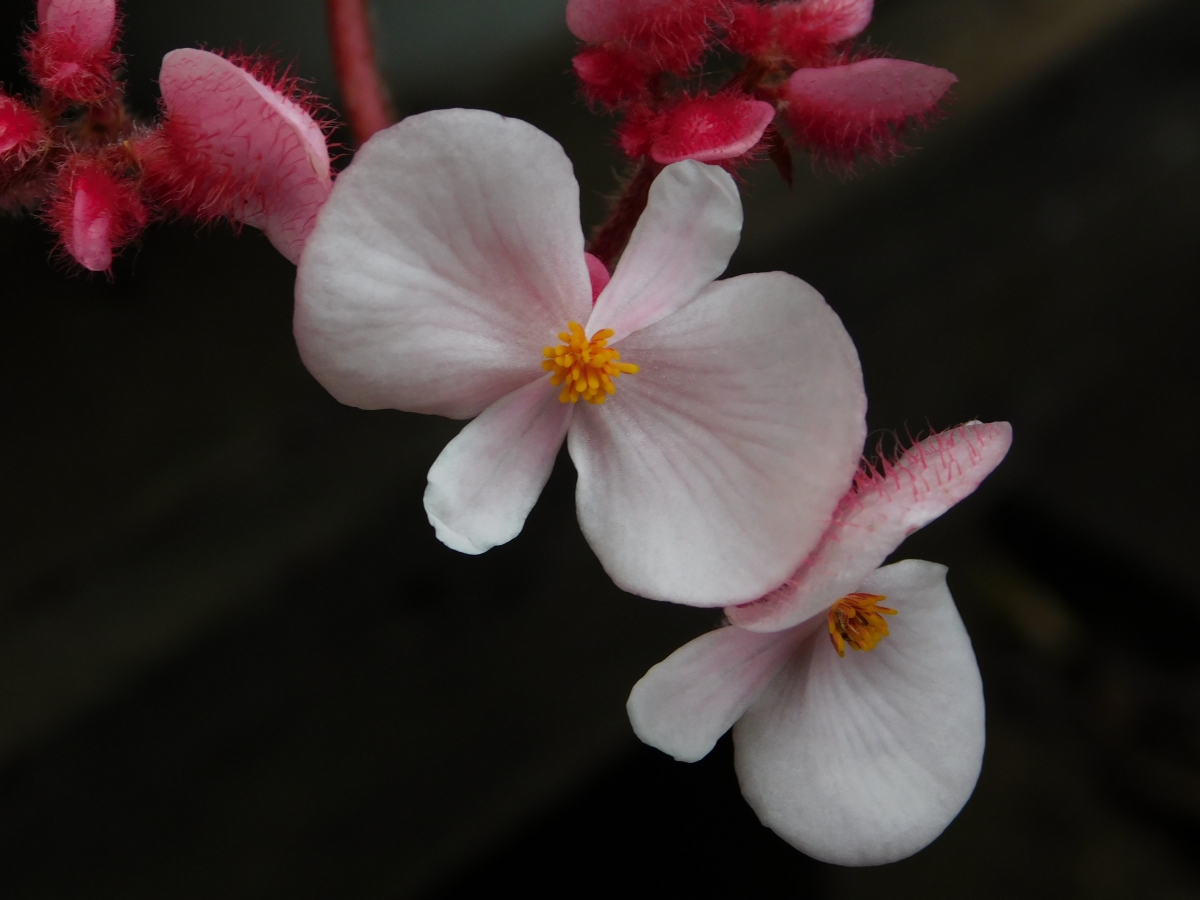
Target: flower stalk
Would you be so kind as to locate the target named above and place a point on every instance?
(364, 94)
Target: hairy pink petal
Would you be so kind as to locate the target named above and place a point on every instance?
(875, 516)
(835, 20)
(710, 129)
(245, 150)
(94, 213)
(90, 22)
(597, 21)
(862, 107)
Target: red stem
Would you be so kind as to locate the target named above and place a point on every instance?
(609, 240)
(363, 93)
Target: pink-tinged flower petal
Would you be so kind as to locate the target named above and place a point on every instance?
(711, 473)
(865, 760)
(684, 239)
(448, 256)
(691, 698)
(486, 480)
(875, 517)
(710, 129)
(598, 274)
(862, 107)
(240, 148)
(91, 23)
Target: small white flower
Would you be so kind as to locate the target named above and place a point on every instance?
(443, 277)
(861, 758)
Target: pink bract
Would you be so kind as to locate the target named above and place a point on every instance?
(94, 213)
(710, 129)
(236, 147)
(862, 107)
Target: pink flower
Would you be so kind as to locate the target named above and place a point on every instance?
(241, 143)
(864, 107)
(442, 277)
(856, 758)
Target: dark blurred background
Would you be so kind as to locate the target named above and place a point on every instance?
(234, 661)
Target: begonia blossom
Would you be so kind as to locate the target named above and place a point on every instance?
(238, 142)
(860, 757)
(722, 420)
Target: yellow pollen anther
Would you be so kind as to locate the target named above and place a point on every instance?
(586, 368)
(856, 620)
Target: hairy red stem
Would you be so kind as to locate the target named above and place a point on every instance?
(363, 93)
(609, 240)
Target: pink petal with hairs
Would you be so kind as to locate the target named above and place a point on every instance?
(267, 151)
(875, 516)
(90, 22)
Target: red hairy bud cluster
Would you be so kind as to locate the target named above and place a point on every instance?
(237, 141)
(648, 61)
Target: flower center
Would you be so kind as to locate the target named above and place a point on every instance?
(856, 620)
(586, 368)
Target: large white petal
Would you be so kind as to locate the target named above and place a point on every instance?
(865, 760)
(875, 518)
(712, 472)
(483, 485)
(688, 231)
(449, 254)
(691, 698)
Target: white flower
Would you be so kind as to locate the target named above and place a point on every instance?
(441, 273)
(858, 759)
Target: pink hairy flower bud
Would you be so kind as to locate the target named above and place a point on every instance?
(91, 23)
(94, 212)
(610, 75)
(71, 54)
(673, 34)
(241, 142)
(862, 108)
(799, 32)
(21, 132)
(705, 128)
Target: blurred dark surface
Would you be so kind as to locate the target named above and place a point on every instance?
(235, 662)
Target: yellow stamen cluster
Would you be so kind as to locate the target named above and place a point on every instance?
(856, 620)
(585, 368)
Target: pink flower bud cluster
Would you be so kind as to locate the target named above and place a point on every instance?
(236, 141)
(797, 68)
